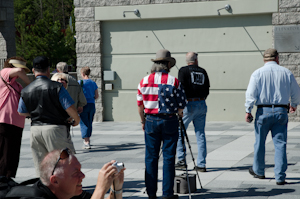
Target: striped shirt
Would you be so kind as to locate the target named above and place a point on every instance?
(160, 92)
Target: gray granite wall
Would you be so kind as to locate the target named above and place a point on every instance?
(7, 29)
(289, 15)
(88, 45)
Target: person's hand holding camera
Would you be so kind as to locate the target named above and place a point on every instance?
(107, 174)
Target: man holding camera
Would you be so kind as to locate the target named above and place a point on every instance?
(160, 97)
(270, 88)
(195, 82)
(50, 106)
(61, 178)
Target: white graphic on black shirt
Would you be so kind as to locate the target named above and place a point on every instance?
(197, 78)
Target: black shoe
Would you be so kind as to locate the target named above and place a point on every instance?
(201, 169)
(180, 164)
(255, 175)
(171, 197)
(281, 183)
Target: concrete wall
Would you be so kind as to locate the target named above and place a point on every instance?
(289, 15)
(7, 29)
(88, 32)
(88, 46)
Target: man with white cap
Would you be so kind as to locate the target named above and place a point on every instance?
(160, 97)
(270, 89)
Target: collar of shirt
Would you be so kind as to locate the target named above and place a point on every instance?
(163, 71)
(40, 76)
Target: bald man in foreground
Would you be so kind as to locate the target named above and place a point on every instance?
(61, 178)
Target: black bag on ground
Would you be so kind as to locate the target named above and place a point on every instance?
(181, 184)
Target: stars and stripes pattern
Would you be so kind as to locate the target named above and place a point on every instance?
(161, 93)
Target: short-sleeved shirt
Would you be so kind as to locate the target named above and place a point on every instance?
(89, 87)
(160, 92)
(64, 98)
(9, 100)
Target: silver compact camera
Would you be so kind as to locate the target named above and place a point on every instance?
(118, 165)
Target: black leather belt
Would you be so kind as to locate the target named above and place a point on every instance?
(162, 114)
(195, 99)
(275, 105)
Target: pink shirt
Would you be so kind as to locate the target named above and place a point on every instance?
(9, 100)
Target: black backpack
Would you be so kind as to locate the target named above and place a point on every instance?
(9, 188)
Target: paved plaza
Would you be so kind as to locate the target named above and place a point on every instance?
(230, 154)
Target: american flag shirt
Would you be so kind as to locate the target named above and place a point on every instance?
(160, 92)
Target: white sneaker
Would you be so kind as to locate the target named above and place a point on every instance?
(86, 145)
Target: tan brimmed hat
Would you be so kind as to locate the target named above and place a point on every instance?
(164, 55)
(19, 64)
(270, 54)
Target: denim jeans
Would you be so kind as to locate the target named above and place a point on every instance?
(274, 120)
(195, 111)
(160, 129)
(86, 120)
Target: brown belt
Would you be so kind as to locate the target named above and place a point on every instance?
(195, 99)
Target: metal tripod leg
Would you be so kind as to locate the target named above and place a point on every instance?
(182, 127)
(184, 152)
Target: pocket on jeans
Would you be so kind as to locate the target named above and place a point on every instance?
(282, 119)
(149, 126)
(262, 119)
(171, 126)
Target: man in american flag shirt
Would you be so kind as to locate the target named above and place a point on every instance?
(160, 97)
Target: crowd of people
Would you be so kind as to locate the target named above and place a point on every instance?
(162, 99)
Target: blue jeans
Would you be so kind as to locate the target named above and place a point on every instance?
(195, 111)
(274, 120)
(160, 129)
(86, 120)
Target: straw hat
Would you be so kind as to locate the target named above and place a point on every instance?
(19, 64)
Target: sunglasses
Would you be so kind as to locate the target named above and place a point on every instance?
(60, 79)
(64, 153)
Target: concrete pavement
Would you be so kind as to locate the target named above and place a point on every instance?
(230, 154)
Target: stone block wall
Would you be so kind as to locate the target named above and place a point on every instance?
(289, 15)
(7, 29)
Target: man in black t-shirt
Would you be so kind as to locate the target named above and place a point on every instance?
(195, 83)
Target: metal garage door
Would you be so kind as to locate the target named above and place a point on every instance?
(227, 46)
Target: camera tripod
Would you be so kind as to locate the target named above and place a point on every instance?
(184, 134)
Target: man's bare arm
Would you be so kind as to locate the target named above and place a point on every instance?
(141, 113)
(24, 114)
(72, 112)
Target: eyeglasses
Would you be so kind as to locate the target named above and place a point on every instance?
(60, 79)
(63, 155)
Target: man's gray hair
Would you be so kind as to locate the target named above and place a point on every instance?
(62, 67)
(191, 57)
(47, 166)
(159, 66)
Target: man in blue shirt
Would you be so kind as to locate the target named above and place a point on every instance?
(50, 107)
(270, 89)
